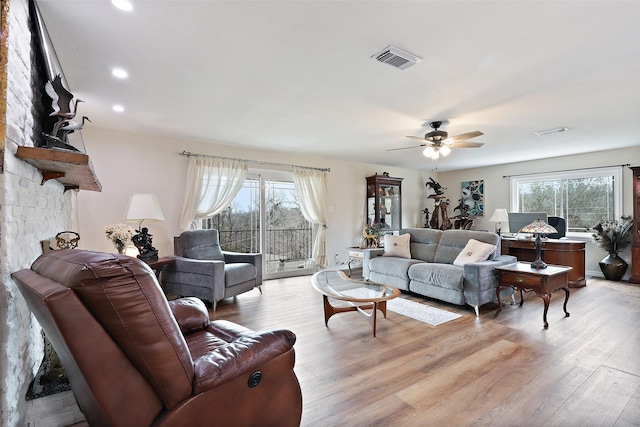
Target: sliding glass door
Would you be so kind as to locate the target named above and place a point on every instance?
(265, 217)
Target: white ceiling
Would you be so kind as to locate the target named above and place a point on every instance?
(297, 76)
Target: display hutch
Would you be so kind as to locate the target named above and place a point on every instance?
(635, 242)
(384, 202)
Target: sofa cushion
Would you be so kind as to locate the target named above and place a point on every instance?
(424, 242)
(442, 275)
(453, 241)
(239, 272)
(392, 266)
(397, 246)
(474, 251)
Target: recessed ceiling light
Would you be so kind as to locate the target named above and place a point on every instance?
(118, 108)
(119, 73)
(125, 5)
(549, 131)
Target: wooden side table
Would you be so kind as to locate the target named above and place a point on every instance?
(541, 281)
(158, 264)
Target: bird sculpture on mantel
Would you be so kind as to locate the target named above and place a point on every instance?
(65, 108)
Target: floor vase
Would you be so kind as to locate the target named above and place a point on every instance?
(613, 267)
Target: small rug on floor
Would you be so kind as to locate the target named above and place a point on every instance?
(422, 312)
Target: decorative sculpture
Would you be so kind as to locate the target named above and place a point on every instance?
(64, 108)
(142, 241)
(435, 186)
(440, 218)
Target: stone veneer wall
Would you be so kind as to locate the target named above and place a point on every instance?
(29, 213)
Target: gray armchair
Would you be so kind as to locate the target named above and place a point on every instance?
(203, 270)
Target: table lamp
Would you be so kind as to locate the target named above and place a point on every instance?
(499, 215)
(538, 227)
(141, 207)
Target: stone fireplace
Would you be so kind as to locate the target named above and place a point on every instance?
(30, 212)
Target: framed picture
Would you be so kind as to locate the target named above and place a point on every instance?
(473, 196)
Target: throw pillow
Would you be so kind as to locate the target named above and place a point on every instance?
(474, 251)
(397, 246)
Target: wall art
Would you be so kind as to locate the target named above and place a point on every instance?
(473, 197)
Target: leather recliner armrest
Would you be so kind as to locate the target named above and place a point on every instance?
(190, 313)
(246, 351)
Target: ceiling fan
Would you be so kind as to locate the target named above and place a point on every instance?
(438, 141)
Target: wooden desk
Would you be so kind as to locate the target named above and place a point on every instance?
(542, 281)
(553, 251)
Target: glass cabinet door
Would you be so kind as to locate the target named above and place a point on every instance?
(384, 206)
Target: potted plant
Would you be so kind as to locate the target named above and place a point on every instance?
(613, 237)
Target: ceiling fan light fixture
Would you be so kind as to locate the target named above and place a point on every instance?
(428, 152)
(445, 150)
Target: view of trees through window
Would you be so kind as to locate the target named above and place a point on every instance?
(582, 201)
(286, 233)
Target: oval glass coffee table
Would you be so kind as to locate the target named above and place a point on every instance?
(359, 295)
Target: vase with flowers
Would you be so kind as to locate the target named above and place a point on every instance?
(613, 237)
(120, 235)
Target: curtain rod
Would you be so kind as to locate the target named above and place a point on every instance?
(566, 170)
(260, 162)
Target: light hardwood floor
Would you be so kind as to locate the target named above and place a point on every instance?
(503, 370)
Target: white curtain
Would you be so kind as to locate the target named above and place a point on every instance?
(312, 191)
(212, 184)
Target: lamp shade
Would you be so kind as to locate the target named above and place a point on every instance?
(499, 215)
(143, 207)
(538, 227)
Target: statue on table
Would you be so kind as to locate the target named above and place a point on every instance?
(142, 241)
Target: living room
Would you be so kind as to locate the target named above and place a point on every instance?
(133, 161)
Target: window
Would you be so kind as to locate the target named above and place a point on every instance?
(582, 197)
(265, 217)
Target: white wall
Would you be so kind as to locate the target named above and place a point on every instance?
(127, 163)
(496, 188)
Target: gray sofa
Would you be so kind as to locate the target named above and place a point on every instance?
(430, 270)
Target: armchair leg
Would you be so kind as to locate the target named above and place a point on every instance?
(260, 288)
(214, 304)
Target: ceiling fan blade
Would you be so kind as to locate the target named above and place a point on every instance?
(466, 144)
(467, 135)
(417, 138)
(406, 148)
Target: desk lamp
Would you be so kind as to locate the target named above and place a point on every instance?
(499, 215)
(538, 227)
(141, 207)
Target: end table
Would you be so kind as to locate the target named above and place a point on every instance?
(543, 282)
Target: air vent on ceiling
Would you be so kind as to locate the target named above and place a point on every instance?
(397, 58)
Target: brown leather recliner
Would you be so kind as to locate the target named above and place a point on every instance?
(134, 359)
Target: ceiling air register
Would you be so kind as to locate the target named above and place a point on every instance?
(397, 58)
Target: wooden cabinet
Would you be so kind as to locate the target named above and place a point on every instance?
(635, 243)
(384, 202)
(553, 251)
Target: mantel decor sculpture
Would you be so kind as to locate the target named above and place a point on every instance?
(64, 109)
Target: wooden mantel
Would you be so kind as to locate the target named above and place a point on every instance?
(72, 169)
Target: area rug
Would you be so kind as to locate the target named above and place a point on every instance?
(422, 312)
(415, 310)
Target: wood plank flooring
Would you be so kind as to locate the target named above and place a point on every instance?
(497, 370)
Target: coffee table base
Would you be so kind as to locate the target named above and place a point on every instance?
(330, 310)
